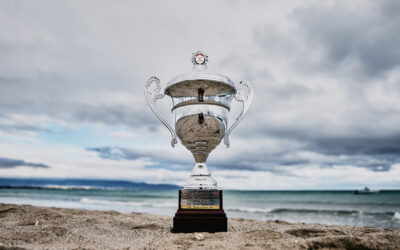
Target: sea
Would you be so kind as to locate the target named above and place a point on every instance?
(340, 207)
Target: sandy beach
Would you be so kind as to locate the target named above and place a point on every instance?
(30, 227)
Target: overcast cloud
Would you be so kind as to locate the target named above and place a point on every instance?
(13, 163)
(326, 75)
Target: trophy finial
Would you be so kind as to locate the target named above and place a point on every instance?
(199, 59)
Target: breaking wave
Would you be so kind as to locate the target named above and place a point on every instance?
(250, 210)
(129, 203)
(278, 211)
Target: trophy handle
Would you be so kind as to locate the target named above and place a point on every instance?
(246, 101)
(152, 94)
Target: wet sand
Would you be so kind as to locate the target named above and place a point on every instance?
(30, 227)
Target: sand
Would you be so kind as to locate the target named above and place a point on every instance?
(30, 227)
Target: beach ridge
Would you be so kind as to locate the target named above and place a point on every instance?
(32, 227)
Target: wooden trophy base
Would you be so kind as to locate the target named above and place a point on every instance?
(200, 211)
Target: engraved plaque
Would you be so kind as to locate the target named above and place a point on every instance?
(200, 199)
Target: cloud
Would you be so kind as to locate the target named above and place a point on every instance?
(326, 78)
(13, 163)
(123, 134)
(331, 85)
(159, 156)
(279, 160)
(360, 39)
(116, 153)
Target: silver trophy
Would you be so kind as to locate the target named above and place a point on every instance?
(201, 103)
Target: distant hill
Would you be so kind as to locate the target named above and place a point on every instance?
(78, 183)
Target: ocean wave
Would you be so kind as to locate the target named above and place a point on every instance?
(315, 211)
(57, 187)
(331, 212)
(64, 187)
(350, 203)
(278, 211)
(128, 203)
(249, 210)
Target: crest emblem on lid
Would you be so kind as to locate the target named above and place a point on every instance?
(199, 58)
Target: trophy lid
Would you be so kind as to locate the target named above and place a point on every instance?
(188, 84)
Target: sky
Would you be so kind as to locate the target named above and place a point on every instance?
(326, 74)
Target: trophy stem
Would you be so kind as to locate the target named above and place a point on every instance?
(200, 169)
(200, 178)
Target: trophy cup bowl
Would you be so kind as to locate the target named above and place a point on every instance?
(201, 104)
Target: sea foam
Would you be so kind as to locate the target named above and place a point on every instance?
(128, 203)
(249, 209)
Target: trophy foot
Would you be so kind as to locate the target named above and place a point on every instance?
(200, 211)
(200, 178)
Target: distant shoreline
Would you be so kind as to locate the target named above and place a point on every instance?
(77, 183)
(177, 188)
(59, 187)
(84, 183)
(35, 227)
